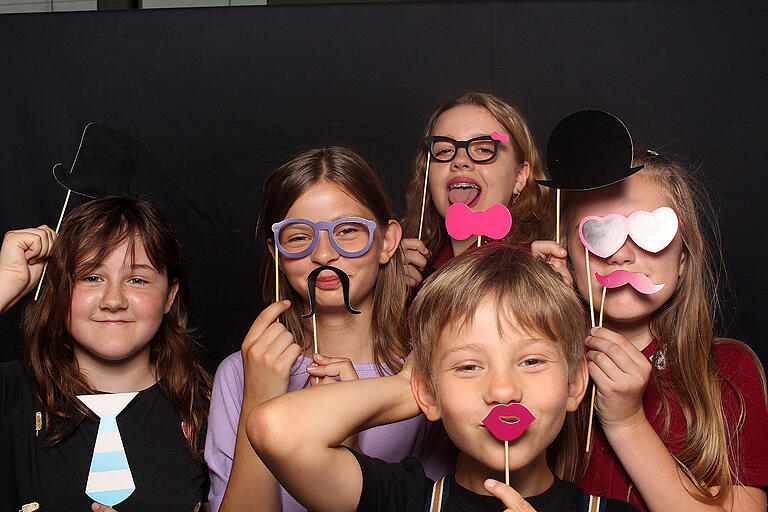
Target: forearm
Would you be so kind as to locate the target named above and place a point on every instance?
(251, 486)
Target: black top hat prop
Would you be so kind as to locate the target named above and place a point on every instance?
(588, 149)
(106, 163)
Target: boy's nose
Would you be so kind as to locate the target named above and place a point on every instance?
(503, 387)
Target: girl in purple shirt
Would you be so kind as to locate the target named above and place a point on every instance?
(323, 208)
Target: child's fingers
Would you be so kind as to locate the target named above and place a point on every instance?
(413, 276)
(618, 339)
(414, 244)
(336, 367)
(606, 366)
(98, 507)
(614, 352)
(266, 318)
(508, 496)
(543, 248)
(416, 259)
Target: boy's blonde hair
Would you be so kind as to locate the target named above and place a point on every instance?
(527, 293)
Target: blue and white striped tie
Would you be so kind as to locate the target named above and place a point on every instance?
(109, 479)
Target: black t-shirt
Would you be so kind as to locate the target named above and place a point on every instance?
(403, 487)
(163, 471)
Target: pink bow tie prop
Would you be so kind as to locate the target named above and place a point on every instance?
(461, 222)
(651, 231)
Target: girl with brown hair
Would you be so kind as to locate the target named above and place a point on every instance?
(324, 207)
(111, 318)
(682, 413)
(481, 152)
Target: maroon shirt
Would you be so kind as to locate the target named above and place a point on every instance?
(605, 475)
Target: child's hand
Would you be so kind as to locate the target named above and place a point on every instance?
(620, 372)
(508, 496)
(98, 507)
(324, 369)
(268, 354)
(555, 255)
(416, 254)
(22, 258)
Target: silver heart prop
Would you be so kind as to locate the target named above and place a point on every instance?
(651, 231)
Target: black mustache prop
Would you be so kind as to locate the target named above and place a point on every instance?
(312, 281)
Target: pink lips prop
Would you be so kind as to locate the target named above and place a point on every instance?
(504, 430)
(636, 280)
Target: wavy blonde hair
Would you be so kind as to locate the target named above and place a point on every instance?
(683, 327)
(530, 211)
(349, 171)
(528, 294)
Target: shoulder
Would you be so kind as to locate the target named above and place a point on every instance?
(392, 485)
(229, 380)
(739, 365)
(569, 496)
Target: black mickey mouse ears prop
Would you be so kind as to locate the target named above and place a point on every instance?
(106, 163)
(588, 149)
(312, 281)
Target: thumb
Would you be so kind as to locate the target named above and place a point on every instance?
(508, 496)
(98, 507)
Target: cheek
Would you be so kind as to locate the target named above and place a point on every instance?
(150, 306)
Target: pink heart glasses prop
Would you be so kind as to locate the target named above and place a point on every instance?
(651, 231)
(461, 222)
(504, 430)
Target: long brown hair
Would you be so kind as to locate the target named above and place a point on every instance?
(530, 211)
(684, 330)
(527, 293)
(346, 169)
(88, 234)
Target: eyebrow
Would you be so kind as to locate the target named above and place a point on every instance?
(143, 267)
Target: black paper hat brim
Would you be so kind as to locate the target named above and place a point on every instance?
(580, 186)
(106, 163)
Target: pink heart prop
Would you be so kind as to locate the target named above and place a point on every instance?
(461, 222)
(603, 236)
(500, 137)
(655, 230)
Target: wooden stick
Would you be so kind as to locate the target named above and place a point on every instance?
(602, 307)
(277, 276)
(314, 336)
(479, 238)
(506, 462)
(557, 218)
(424, 196)
(589, 286)
(591, 415)
(58, 225)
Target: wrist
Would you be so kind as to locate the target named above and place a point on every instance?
(626, 427)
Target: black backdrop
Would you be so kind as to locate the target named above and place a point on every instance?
(223, 95)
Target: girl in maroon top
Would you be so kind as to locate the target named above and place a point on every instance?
(481, 152)
(682, 414)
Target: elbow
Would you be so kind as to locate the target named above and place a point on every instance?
(269, 431)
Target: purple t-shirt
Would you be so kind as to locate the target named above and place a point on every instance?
(415, 436)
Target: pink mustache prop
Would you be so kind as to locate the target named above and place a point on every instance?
(503, 430)
(461, 222)
(636, 280)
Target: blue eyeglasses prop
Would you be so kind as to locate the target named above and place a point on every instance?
(349, 236)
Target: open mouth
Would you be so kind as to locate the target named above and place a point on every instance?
(464, 191)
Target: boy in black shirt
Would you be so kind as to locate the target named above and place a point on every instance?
(492, 327)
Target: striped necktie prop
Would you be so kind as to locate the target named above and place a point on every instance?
(109, 478)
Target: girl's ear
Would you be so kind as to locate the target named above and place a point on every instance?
(390, 240)
(424, 397)
(577, 387)
(522, 177)
(172, 291)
